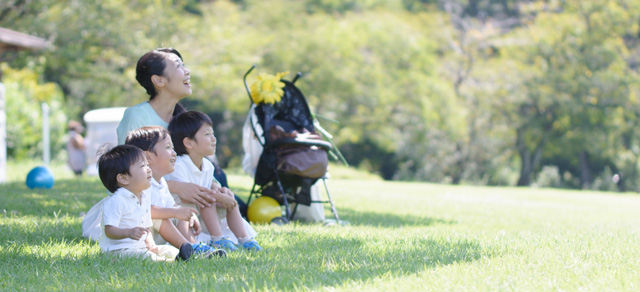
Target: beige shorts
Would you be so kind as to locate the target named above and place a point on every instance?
(222, 213)
(166, 253)
(155, 230)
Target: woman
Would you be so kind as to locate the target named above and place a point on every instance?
(75, 148)
(165, 78)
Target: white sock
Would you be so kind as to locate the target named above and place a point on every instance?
(216, 238)
(242, 240)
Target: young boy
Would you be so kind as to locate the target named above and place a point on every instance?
(171, 223)
(192, 133)
(126, 215)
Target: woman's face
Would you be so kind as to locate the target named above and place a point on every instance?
(177, 77)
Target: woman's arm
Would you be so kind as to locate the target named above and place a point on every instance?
(77, 141)
(192, 193)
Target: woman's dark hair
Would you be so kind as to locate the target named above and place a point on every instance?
(116, 161)
(154, 63)
(186, 125)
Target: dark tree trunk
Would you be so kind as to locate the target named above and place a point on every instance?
(526, 169)
(585, 170)
(530, 159)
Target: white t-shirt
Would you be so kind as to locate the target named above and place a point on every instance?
(160, 195)
(186, 171)
(123, 210)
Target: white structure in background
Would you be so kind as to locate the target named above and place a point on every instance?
(101, 127)
(46, 140)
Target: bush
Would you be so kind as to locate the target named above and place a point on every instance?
(24, 96)
(549, 177)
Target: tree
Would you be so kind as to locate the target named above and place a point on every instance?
(577, 75)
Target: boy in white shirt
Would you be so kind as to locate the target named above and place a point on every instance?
(192, 133)
(126, 215)
(171, 223)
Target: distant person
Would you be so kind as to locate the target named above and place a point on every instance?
(195, 140)
(126, 214)
(162, 74)
(171, 223)
(75, 148)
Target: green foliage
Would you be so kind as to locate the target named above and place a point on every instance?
(578, 77)
(24, 97)
(477, 92)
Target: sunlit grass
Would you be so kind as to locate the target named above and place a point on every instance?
(18, 170)
(400, 237)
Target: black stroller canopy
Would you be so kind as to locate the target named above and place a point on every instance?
(291, 113)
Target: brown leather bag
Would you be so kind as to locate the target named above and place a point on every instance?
(302, 160)
(305, 161)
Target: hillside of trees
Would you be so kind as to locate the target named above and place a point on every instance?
(489, 92)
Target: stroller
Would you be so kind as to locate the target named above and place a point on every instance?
(294, 157)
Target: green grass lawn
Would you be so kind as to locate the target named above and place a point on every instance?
(402, 237)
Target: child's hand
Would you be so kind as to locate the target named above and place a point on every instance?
(152, 247)
(227, 202)
(185, 213)
(194, 224)
(137, 232)
(228, 192)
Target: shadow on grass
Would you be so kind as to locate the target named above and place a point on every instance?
(301, 262)
(354, 260)
(69, 196)
(359, 218)
(331, 261)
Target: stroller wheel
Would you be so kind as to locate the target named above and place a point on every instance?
(279, 221)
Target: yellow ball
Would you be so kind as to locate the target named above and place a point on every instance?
(263, 209)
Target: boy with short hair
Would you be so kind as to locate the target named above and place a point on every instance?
(194, 139)
(126, 214)
(171, 223)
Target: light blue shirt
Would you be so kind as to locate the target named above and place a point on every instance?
(139, 115)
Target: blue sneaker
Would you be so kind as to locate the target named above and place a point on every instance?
(251, 244)
(207, 251)
(225, 243)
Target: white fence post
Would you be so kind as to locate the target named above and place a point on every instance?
(46, 149)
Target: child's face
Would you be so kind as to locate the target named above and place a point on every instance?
(139, 177)
(163, 158)
(204, 142)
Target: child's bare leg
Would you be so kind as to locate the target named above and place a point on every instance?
(236, 223)
(171, 234)
(183, 227)
(210, 218)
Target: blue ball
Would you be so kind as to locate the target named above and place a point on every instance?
(40, 177)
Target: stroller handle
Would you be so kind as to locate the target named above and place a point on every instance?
(298, 75)
(246, 86)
